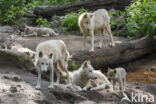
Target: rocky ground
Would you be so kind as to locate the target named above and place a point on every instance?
(17, 86)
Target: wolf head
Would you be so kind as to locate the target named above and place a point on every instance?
(44, 61)
(87, 69)
(111, 74)
(27, 29)
(87, 20)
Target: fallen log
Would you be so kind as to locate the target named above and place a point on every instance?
(18, 59)
(48, 11)
(113, 56)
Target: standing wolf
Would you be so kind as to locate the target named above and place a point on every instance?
(117, 75)
(86, 77)
(48, 54)
(35, 31)
(90, 22)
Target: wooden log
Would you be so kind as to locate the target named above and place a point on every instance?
(113, 56)
(48, 11)
(18, 59)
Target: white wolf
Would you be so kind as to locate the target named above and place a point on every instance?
(86, 77)
(90, 22)
(35, 31)
(48, 54)
(117, 75)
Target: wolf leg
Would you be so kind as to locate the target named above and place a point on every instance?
(110, 33)
(51, 76)
(46, 35)
(30, 35)
(92, 41)
(38, 86)
(121, 85)
(77, 87)
(99, 87)
(54, 33)
(124, 84)
(114, 83)
(87, 85)
(101, 41)
(58, 76)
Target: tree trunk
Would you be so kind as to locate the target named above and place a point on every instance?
(48, 11)
(120, 54)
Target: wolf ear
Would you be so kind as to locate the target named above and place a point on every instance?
(85, 64)
(91, 15)
(51, 55)
(27, 28)
(40, 54)
(89, 62)
(85, 16)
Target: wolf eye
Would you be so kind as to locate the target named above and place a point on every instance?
(42, 63)
(87, 22)
(90, 71)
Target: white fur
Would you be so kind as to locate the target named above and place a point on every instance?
(98, 20)
(42, 31)
(59, 55)
(118, 75)
(83, 78)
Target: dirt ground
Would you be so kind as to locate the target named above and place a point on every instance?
(17, 86)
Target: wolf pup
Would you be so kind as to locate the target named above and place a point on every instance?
(48, 54)
(98, 20)
(117, 75)
(35, 31)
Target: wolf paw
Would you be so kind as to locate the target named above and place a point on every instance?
(91, 50)
(56, 84)
(38, 87)
(112, 44)
(51, 86)
(100, 46)
(84, 89)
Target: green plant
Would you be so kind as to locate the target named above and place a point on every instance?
(117, 22)
(70, 21)
(140, 20)
(43, 22)
(12, 10)
(73, 66)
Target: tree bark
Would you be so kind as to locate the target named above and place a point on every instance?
(48, 11)
(113, 56)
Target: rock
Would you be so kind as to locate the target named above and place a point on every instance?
(13, 89)
(17, 79)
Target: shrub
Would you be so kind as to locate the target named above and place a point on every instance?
(70, 22)
(140, 19)
(73, 66)
(43, 22)
(117, 22)
(12, 10)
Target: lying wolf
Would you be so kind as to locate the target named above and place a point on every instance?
(35, 31)
(48, 54)
(86, 77)
(90, 22)
(117, 75)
